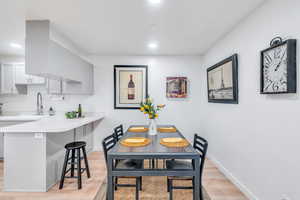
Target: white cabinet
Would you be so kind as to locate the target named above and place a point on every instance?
(1, 145)
(22, 78)
(46, 56)
(8, 79)
(85, 133)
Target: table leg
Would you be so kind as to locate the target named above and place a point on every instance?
(110, 189)
(196, 195)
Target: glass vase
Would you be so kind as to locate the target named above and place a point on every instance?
(152, 127)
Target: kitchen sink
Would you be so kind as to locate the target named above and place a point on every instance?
(20, 117)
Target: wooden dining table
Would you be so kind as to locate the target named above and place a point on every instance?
(154, 150)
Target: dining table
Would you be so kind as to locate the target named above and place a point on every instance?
(153, 151)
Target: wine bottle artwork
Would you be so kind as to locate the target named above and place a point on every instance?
(131, 89)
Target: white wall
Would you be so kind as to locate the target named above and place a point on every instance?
(257, 141)
(182, 113)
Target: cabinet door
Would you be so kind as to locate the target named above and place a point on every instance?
(88, 134)
(1, 145)
(37, 80)
(21, 76)
(26, 79)
(7, 79)
(54, 86)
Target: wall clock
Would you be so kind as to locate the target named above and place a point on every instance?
(278, 67)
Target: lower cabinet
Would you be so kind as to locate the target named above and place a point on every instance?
(85, 133)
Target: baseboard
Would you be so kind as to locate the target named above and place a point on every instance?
(233, 179)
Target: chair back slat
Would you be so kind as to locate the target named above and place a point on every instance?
(118, 132)
(201, 145)
(107, 144)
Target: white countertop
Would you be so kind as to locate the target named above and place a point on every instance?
(47, 124)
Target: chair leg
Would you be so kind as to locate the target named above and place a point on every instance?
(116, 182)
(168, 185)
(79, 169)
(193, 182)
(72, 162)
(61, 185)
(137, 187)
(86, 163)
(171, 190)
(201, 194)
(141, 183)
(153, 163)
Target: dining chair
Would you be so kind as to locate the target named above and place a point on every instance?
(200, 144)
(108, 143)
(118, 132)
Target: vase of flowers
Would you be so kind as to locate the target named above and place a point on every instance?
(148, 108)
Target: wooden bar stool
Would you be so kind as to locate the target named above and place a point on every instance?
(74, 159)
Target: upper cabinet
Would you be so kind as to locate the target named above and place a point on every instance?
(8, 79)
(21, 78)
(47, 58)
(14, 80)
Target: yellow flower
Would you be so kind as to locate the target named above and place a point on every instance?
(145, 112)
(156, 115)
(146, 106)
(142, 109)
(150, 116)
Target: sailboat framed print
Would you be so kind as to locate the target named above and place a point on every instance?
(130, 86)
(222, 81)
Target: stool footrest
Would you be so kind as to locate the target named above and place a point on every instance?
(75, 168)
(75, 158)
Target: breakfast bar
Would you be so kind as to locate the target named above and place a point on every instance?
(34, 151)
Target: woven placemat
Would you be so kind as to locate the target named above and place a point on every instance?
(167, 130)
(183, 143)
(136, 144)
(138, 130)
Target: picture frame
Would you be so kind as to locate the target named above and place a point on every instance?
(130, 86)
(176, 87)
(278, 68)
(222, 81)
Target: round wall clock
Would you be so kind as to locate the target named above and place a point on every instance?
(278, 68)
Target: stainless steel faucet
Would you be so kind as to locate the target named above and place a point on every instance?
(39, 103)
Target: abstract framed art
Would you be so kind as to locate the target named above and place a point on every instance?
(222, 81)
(130, 86)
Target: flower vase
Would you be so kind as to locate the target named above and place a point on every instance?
(152, 127)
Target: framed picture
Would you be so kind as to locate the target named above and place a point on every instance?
(222, 81)
(176, 87)
(278, 68)
(130, 86)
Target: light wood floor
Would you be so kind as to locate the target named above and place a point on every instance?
(217, 186)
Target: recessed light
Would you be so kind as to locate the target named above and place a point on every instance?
(153, 45)
(154, 1)
(15, 45)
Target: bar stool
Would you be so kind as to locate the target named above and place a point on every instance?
(74, 147)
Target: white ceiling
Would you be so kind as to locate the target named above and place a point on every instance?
(125, 27)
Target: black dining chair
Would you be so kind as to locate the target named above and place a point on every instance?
(200, 144)
(108, 143)
(118, 132)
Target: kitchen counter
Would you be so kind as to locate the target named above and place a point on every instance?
(47, 124)
(34, 147)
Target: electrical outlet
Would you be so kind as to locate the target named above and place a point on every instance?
(285, 197)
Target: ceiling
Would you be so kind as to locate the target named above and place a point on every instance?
(125, 27)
